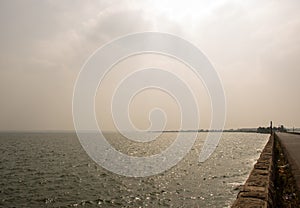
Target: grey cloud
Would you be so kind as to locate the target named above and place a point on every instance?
(43, 46)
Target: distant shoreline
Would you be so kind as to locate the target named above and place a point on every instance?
(240, 130)
(209, 130)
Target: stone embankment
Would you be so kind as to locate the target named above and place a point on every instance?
(258, 191)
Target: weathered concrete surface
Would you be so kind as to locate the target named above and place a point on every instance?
(258, 190)
(290, 144)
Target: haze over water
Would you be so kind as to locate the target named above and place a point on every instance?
(52, 170)
(253, 45)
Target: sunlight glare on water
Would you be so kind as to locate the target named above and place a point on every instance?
(52, 169)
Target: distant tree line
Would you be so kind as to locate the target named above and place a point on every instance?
(267, 130)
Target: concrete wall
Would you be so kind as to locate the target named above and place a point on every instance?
(258, 190)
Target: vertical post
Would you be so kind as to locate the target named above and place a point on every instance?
(271, 128)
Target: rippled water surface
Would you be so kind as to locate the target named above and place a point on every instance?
(52, 170)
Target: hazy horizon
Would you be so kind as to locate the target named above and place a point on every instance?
(253, 45)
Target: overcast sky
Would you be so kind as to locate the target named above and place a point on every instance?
(253, 45)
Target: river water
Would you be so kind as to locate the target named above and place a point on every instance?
(53, 170)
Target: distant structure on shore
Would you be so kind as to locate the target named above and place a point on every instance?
(267, 130)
